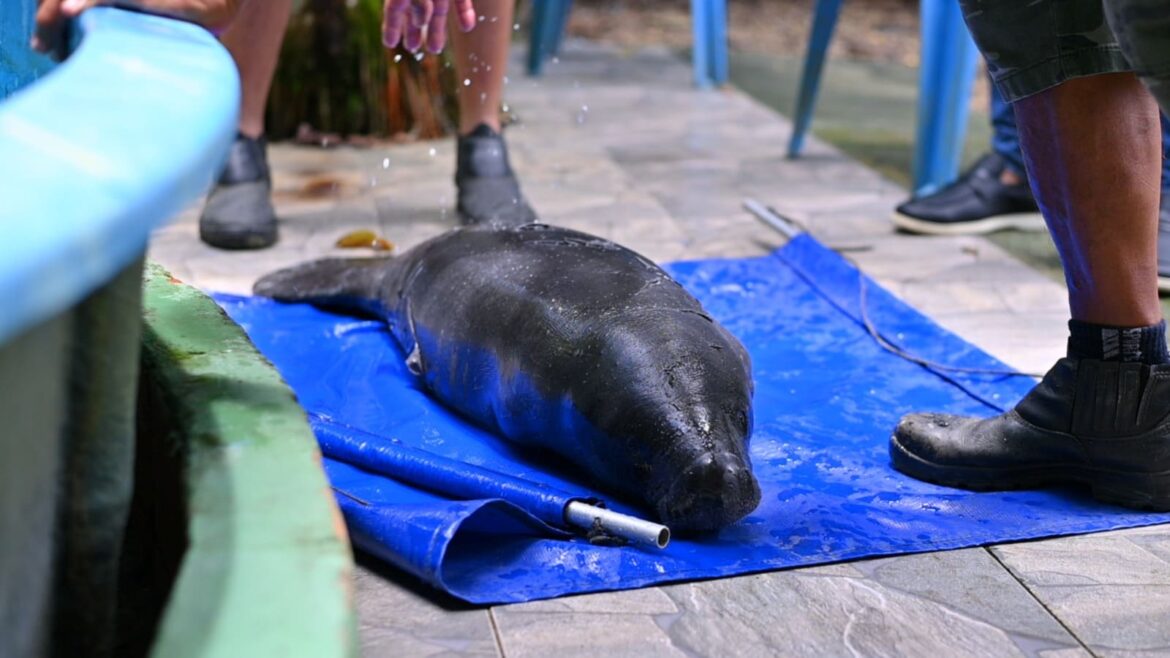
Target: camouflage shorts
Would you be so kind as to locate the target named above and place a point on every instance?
(1033, 45)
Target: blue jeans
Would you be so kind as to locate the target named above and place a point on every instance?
(1005, 137)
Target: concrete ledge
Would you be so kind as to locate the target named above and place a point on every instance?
(267, 566)
(109, 145)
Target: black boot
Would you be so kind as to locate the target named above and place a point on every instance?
(978, 202)
(1101, 423)
(238, 213)
(487, 187)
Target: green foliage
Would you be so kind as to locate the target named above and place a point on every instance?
(336, 76)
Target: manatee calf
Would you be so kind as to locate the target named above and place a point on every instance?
(563, 340)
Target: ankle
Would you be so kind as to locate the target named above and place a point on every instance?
(1011, 178)
(1125, 344)
(468, 128)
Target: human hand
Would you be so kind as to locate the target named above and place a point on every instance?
(408, 20)
(53, 15)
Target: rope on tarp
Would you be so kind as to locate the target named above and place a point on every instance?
(791, 228)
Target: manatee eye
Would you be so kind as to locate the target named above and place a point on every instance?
(743, 422)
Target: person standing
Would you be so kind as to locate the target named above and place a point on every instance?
(994, 193)
(1090, 134)
(238, 213)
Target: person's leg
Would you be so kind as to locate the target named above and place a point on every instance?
(1093, 147)
(238, 213)
(1164, 212)
(1101, 416)
(1143, 31)
(481, 61)
(487, 187)
(990, 196)
(254, 39)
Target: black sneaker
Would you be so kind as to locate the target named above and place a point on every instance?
(487, 187)
(978, 202)
(238, 213)
(1101, 423)
(1164, 245)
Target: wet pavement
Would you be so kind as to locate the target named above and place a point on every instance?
(620, 145)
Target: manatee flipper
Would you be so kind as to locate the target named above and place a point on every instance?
(345, 284)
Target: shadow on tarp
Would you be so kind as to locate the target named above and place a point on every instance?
(827, 398)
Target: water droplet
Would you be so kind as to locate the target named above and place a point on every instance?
(506, 81)
(466, 82)
(494, 19)
(482, 18)
(398, 58)
(556, 60)
(431, 152)
(582, 114)
(515, 26)
(482, 96)
(505, 108)
(385, 163)
(418, 57)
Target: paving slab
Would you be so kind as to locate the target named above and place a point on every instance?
(959, 603)
(1113, 589)
(620, 145)
(398, 617)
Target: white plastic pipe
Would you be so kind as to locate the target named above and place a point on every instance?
(584, 515)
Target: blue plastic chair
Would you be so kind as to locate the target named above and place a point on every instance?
(708, 22)
(949, 59)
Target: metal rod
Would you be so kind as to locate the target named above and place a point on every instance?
(584, 515)
(772, 218)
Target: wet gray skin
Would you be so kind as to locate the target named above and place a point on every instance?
(558, 339)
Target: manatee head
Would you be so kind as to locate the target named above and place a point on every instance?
(678, 405)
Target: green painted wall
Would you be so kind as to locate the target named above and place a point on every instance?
(267, 568)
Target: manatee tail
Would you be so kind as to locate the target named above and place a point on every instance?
(345, 284)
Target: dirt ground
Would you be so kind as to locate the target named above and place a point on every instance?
(876, 30)
(884, 31)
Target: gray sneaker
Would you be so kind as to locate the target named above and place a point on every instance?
(488, 190)
(238, 213)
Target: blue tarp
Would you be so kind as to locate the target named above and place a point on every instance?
(827, 397)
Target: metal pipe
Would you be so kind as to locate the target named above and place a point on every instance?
(584, 515)
(772, 218)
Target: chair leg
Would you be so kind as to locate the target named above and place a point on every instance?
(717, 51)
(949, 61)
(824, 22)
(542, 33)
(561, 23)
(701, 42)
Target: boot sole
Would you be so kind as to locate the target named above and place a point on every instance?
(1143, 491)
(238, 240)
(1033, 221)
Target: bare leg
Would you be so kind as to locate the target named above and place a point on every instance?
(239, 213)
(254, 40)
(481, 57)
(1092, 150)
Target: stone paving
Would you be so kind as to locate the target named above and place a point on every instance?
(622, 146)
